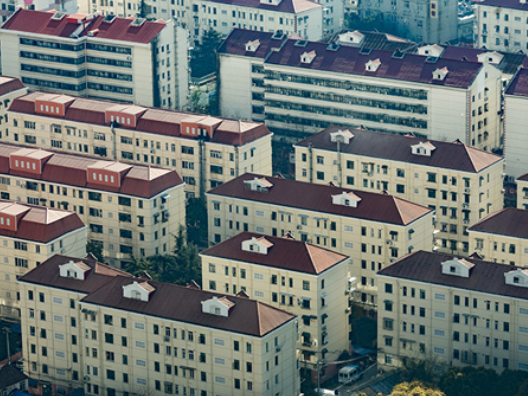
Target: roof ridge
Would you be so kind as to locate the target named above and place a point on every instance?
(308, 248)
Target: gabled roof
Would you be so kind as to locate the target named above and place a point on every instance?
(426, 267)
(39, 223)
(70, 169)
(42, 22)
(351, 60)
(9, 84)
(184, 304)
(509, 222)
(519, 84)
(152, 120)
(9, 376)
(318, 198)
(456, 156)
(48, 274)
(285, 253)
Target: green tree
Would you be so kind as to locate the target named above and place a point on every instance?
(203, 57)
(139, 265)
(416, 388)
(196, 214)
(96, 250)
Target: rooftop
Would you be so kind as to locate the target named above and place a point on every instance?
(287, 6)
(319, 198)
(283, 253)
(78, 25)
(352, 60)
(48, 274)
(38, 223)
(516, 4)
(245, 316)
(71, 170)
(10, 376)
(373, 40)
(519, 84)
(9, 84)
(485, 277)
(453, 156)
(157, 121)
(509, 222)
(523, 177)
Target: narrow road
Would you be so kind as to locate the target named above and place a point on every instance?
(368, 374)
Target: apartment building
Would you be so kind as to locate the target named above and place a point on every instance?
(501, 25)
(373, 229)
(427, 21)
(10, 88)
(29, 235)
(300, 87)
(502, 237)
(522, 192)
(515, 142)
(306, 280)
(125, 59)
(91, 326)
(126, 207)
(206, 151)
(453, 311)
(309, 19)
(461, 183)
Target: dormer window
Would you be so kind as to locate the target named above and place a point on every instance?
(261, 185)
(440, 74)
(74, 270)
(257, 245)
(217, 306)
(341, 136)
(515, 279)
(346, 199)
(457, 267)
(308, 57)
(373, 65)
(518, 277)
(423, 148)
(138, 291)
(252, 46)
(452, 269)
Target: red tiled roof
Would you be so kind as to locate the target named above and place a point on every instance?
(70, 169)
(523, 177)
(153, 120)
(352, 60)
(398, 148)
(509, 222)
(232, 45)
(485, 277)
(41, 22)
(48, 274)
(9, 84)
(184, 304)
(519, 84)
(288, 6)
(318, 198)
(40, 224)
(285, 253)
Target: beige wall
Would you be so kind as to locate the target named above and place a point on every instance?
(440, 310)
(29, 255)
(218, 365)
(480, 198)
(499, 248)
(231, 276)
(377, 241)
(522, 195)
(149, 149)
(105, 213)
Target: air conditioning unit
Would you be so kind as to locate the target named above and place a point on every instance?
(278, 348)
(152, 151)
(347, 310)
(389, 242)
(314, 343)
(166, 338)
(467, 189)
(323, 328)
(465, 205)
(299, 227)
(129, 58)
(86, 378)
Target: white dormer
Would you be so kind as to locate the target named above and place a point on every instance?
(353, 38)
(457, 267)
(518, 277)
(372, 65)
(341, 136)
(346, 199)
(252, 46)
(440, 74)
(258, 184)
(257, 245)
(217, 306)
(308, 57)
(434, 50)
(74, 270)
(423, 148)
(138, 291)
(490, 57)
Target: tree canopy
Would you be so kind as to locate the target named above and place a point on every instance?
(416, 388)
(96, 250)
(203, 57)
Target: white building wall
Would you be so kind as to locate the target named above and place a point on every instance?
(516, 136)
(235, 78)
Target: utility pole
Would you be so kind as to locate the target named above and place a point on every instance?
(7, 331)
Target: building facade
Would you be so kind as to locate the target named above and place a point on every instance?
(30, 235)
(453, 311)
(129, 60)
(422, 171)
(347, 221)
(140, 339)
(10, 89)
(299, 87)
(515, 142)
(502, 237)
(126, 207)
(206, 151)
(427, 21)
(522, 192)
(501, 25)
(310, 282)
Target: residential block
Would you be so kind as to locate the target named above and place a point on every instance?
(515, 141)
